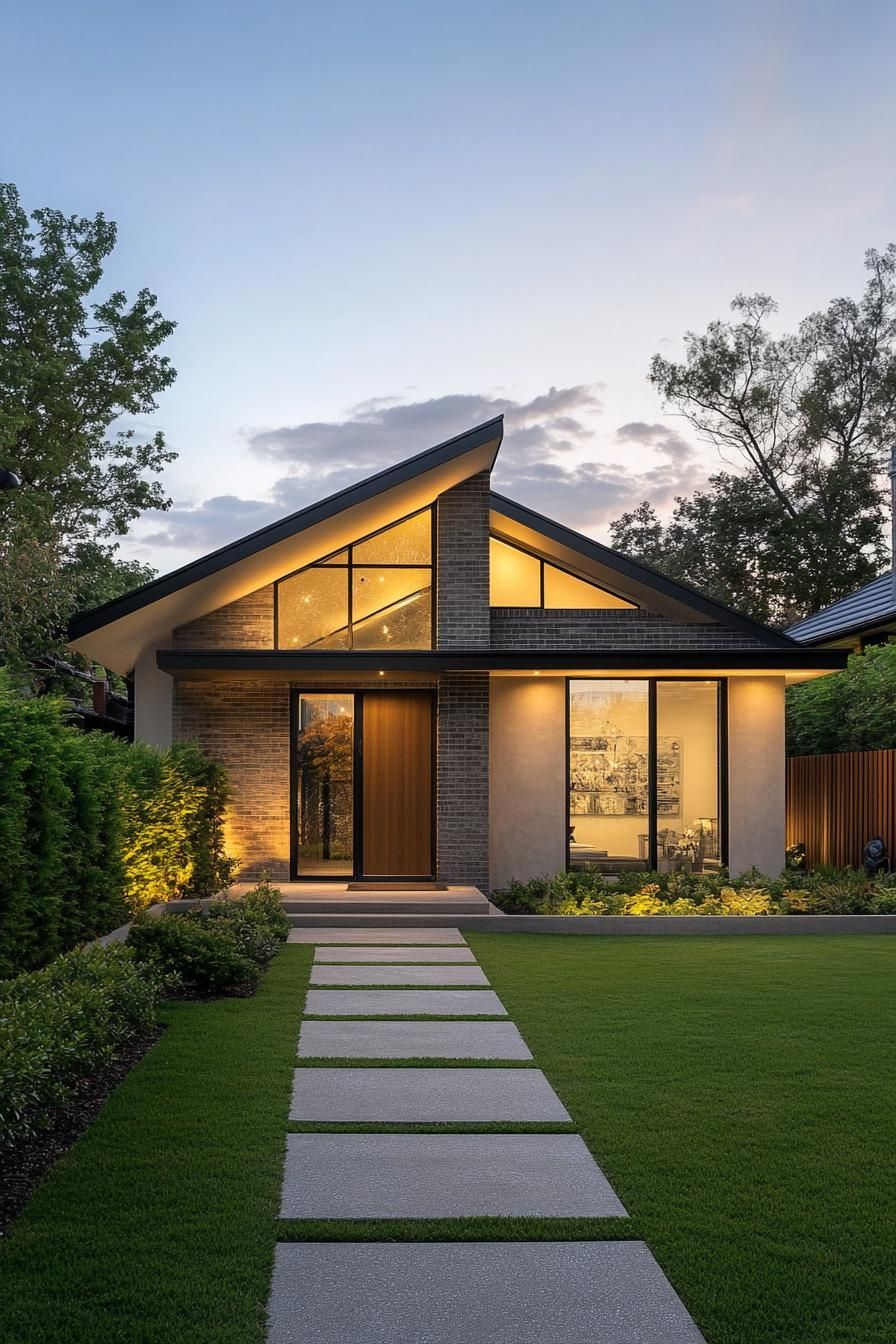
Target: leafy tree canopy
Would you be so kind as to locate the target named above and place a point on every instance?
(75, 369)
(853, 710)
(807, 421)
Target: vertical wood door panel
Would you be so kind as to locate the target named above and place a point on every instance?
(397, 796)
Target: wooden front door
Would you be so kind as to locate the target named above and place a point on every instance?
(397, 788)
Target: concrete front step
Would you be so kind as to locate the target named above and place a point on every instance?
(388, 906)
(331, 920)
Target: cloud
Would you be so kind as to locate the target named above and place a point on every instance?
(549, 460)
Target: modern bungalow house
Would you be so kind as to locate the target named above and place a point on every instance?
(419, 679)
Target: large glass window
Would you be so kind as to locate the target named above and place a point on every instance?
(377, 594)
(517, 578)
(324, 785)
(687, 783)
(644, 769)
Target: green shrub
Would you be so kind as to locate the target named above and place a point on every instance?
(92, 829)
(202, 954)
(62, 1023)
(173, 805)
(256, 920)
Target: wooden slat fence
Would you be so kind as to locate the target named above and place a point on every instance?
(836, 803)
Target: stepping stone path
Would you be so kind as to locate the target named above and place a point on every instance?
(399, 1292)
(403, 1003)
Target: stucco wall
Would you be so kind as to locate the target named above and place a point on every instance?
(756, 778)
(153, 694)
(527, 791)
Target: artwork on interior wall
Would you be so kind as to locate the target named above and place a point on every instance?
(608, 776)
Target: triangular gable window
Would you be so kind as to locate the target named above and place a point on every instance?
(520, 579)
(376, 594)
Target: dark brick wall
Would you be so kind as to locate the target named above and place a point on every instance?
(531, 628)
(245, 726)
(462, 778)
(462, 559)
(245, 624)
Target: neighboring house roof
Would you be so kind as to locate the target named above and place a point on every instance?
(866, 609)
(139, 623)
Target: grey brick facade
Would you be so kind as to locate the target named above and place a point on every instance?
(245, 624)
(462, 779)
(532, 628)
(462, 529)
(245, 726)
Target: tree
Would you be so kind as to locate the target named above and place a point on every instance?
(853, 710)
(74, 369)
(808, 420)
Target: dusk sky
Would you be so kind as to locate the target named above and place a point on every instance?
(379, 223)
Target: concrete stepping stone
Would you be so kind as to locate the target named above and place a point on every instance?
(421, 1096)
(390, 936)
(393, 954)
(594, 1292)
(440, 976)
(411, 1040)
(444, 1176)
(403, 1003)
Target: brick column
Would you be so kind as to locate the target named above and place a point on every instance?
(462, 778)
(462, 565)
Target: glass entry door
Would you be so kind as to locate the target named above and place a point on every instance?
(324, 777)
(363, 787)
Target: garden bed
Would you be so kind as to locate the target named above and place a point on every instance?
(23, 1166)
(683, 895)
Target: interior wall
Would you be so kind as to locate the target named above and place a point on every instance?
(756, 774)
(527, 768)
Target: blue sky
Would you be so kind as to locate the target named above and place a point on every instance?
(376, 223)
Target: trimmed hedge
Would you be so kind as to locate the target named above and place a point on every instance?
(824, 891)
(92, 830)
(63, 1023)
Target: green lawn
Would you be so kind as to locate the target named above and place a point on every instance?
(737, 1091)
(158, 1227)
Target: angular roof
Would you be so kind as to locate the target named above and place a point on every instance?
(868, 607)
(676, 600)
(115, 633)
(119, 632)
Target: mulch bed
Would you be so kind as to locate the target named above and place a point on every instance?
(23, 1166)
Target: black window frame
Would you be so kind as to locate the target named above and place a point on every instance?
(323, 562)
(722, 741)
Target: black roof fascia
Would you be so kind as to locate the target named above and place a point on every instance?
(85, 622)
(793, 658)
(633, 569)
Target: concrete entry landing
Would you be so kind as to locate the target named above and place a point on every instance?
(401, 899)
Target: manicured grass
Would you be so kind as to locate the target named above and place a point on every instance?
(158, 1227)
(738, 1093)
